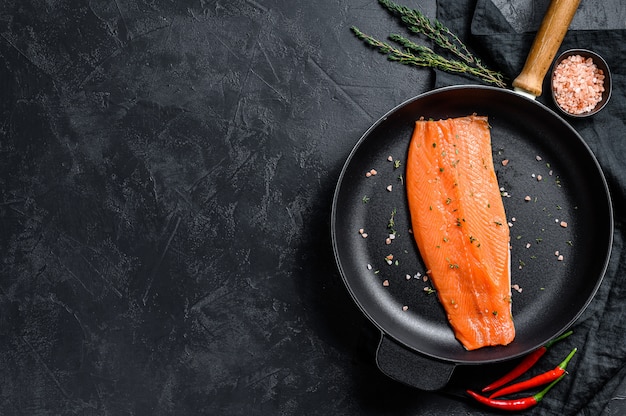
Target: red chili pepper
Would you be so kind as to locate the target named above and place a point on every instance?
(514, 404)
(538, 380)
(524, 365)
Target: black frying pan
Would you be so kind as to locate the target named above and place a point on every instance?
(548, 162)
(572, 189)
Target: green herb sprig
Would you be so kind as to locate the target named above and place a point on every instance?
(391, 224)
(411, 53)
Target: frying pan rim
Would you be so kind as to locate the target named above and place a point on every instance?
(439, 91)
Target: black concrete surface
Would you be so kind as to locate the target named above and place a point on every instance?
(166, 177)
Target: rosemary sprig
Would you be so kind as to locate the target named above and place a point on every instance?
(422, 56)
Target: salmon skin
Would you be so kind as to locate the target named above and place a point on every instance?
(460, 227)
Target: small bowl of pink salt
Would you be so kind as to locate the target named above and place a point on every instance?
(580, 83)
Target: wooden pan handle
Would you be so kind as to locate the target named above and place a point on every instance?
(547, 42)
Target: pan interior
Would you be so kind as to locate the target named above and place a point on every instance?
(569, 214)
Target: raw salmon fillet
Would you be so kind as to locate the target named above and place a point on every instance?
(460, 227)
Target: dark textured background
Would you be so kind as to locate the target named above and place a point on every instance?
(166, 177)
(167, 169)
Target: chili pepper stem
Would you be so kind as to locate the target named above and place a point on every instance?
(567, 359)
(557, 339)
(539, 396)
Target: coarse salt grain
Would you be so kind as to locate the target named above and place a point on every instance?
(577, 84)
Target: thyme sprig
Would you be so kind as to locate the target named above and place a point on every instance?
(411, 53)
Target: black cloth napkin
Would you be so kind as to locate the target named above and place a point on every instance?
(501, 33)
